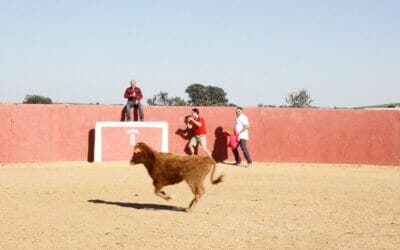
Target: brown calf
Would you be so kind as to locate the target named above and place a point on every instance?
(167, 169)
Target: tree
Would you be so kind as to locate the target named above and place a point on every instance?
(37, 99)
(177, 101)
(300, 99)
(201, 95)
(161, 99)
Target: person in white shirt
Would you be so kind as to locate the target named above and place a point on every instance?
(242, 129)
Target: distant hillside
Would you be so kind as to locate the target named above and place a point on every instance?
(389, 105)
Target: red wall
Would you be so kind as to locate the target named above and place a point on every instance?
(48, 133)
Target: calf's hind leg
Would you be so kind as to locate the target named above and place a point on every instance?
(198, 191)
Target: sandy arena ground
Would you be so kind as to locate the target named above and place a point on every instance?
(270, 206)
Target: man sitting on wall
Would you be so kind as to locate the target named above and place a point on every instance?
(134, 95)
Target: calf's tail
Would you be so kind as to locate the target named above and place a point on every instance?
(220, 178)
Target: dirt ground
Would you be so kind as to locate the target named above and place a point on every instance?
(111, 205)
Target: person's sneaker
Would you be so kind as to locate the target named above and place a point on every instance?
(249, 165)
(237, 163)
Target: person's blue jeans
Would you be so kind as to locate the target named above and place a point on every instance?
(243, 146)
(132, 104)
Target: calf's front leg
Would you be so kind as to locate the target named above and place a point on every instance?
(161, 193)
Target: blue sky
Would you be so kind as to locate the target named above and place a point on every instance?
(345, 53)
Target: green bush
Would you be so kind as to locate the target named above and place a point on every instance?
(37, 99)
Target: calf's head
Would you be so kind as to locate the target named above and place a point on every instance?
(142, 154)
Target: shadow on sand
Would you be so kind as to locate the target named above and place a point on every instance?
(146, 206)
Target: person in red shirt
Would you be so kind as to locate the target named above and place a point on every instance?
(198, 124)
(134, 95)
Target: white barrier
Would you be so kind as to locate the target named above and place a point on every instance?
(100, 125)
